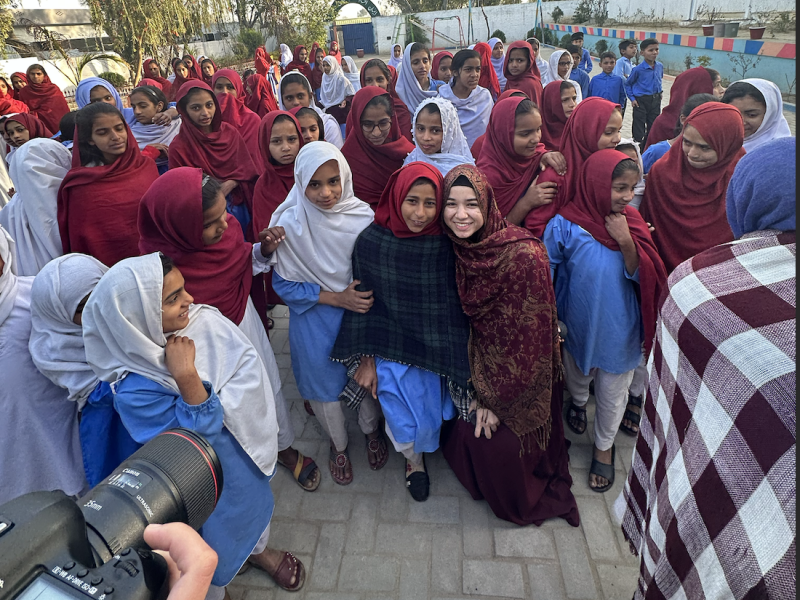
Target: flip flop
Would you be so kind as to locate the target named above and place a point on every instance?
(604, 470)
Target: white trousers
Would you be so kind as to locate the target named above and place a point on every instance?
(331, 416)
(406, 449)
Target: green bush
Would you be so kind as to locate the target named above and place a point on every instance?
(115, 79)
(498, 34)
(566, 40)
(251, 39)
(704, 61)
(557, 14)
(545, 36)
(583, 12)
(600, 47)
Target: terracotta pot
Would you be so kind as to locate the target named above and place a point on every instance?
(360, 52)
(756, 33)
(708, 30)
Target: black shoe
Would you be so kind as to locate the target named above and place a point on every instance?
(419, 484)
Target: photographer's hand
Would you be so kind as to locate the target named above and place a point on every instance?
(190, 560)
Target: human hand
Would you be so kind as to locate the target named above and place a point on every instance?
(555, 160)
(634, 104)
(162, 119)
(487, 422)
(356, 301)
(650, 227)
(366, 375)
(228, 186)
(542, 193)
(270, 238)
(180, 354)
(190, 560)
(163, 149)
(617, 227)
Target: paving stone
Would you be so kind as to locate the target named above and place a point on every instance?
(395, 498)
(493, 578)
(298, 537)
(545, 582)
(288, 495)
(446, 560)
(328, 557)
(414, 577)
(574, 562)
(440, 510)
(361, 533)
(618, 583)
(369, 574)
(403, 540)
(257, 595)
(597, 529)
(525, 542)
(324, 506)
(477, 534)
(331, 596)
(236, 592)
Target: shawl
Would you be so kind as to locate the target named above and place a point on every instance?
(509, 174)
(478, 144)
(437, 58)
(84, 91)
(171, 221)
(178, 83)
(498, 64)
(553, 64)
(335, 52)
(553, 118)
(408, 88)
(316, 71)
(166, 86)
(680, 198)
(319, 242)
(152, 83)
(488, 78)
(687, 84)
(400, 108)
(589, 208)
(150, 133)
(23, 77)
(10, 105)
(286, 56)
(56, 343)
(774, 124)
(262, 61)
(222, 153)
(209, 80)
(395, 62)
(709, 501)
(503, 278)
(353, 76)
(473, 111)
(194, 70)
(299, 65)
(8, 275)
(46, 101)
(35, 126)
(335, 86)
(333, 132)
(97, 206)
(388, 212)
(754, 201)
(31, 218)
(261, 99)
(276, 179)
(235, 113)
(123, 334)
(528, 81)
(455, 150)
(9, 88)
(375, 163)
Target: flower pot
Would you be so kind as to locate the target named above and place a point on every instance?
(708, 30)
(756, 33)
(360, 52)
(732, 29)
(719, 30)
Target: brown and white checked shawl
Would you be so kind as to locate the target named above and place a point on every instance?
(709, 504)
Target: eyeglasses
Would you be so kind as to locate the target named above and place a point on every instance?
(564, 64)
(369, 126)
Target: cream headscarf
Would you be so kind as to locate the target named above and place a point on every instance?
(335, 86)
(8, 276)
(455, 150)
(774, 124)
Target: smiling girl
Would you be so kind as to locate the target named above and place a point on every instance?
(473, 102)
(761, 105)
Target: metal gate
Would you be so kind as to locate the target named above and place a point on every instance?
(358, 36)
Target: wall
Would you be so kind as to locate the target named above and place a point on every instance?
(56, 76)
(678, 10)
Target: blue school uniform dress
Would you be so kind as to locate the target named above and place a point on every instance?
(596, 298)
(245, 507)
(623, 67)
(586, 61)
(644, 80)
(582, 80)
(611, 87)
(653, 153)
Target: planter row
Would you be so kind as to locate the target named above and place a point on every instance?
(731, 30)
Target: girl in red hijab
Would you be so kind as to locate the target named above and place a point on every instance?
(558, 102)
(261, 97)
(23, 127)
(374, 143)
(18, 81)
(299, 63)
(476, 147)
(207, 69)
(333, 50)
(152, 71)
(263, 61)
(521, 71)
(685, 194)
(194, 68)
(488, 78)
(316, 57)
(44, 98)
(182, 75)
(98, 201)
(227, 86)
(374, 72)
(436, 65)
(8, 103)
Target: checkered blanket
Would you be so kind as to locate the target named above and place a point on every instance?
(709, 504)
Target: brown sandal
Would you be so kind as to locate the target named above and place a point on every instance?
(340, 460)
(374, 447)
(303, 472)
(288, 566)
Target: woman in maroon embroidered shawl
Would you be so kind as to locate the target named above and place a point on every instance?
(44, 98)
(523, 77)
(521, 466)
(227, 86)
(261, 97)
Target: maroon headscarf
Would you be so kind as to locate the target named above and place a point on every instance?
(10, 105)
(298, 64)
(333, 50)
(262, 61)
(437, 58)
(171, 221)
(45, 100)
(687, 205)
(374, 165)
(261, 98)
(529, 81)
(316, 70)
(10, 93)
(478, 143)
(687, 84)
(35, 127)
(589, 208)
(98, 206)
(388, 214)
(151, 82)
(194, 70)
(222, 153)
(178, 83)
(206, 78)
(237, 114)
(488, 78)
(166, 86)
(553, 118)
(401, 111)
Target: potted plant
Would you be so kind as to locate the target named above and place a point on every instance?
(757, 27)
(709, 15)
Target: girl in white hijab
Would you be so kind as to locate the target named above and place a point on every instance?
(335, 86)
(396, 57)
(553, 64)
(39, 442)
(31, 218)
(438, 139)
(352, 74)
(333, 133)
(286, 56)
(761, 105)
(498, 63)
(408, 86)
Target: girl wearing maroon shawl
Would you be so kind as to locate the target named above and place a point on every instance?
(476, 147)
(333, 50)
(263, 61)
(299, 63)
(488, 78)
(521, 71)
(182, 75)
(558, 102)
(374, 143)
(44, 98)
(152, 71)
(685, 194)
(228, 87)
(194, 68)
(261, 99)
(520, 466)
(316, 56)
(18, 81)
(609, 280)
(99, 198)
(21, 128)
(8, 104)
(374, 72)
(208, 143)
(207, 69)
(442, 71)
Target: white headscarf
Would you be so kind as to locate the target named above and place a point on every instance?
(319, 243)
(553, 64)
(455, 150)
(333, 133)
(335, 86)
(498, 63)
(407, 87)
(473, 111)
(638, 190)
(32, 215)
(8, 276)
(395, 62)
(286, 55)
(56, 342)
(354, 77)
(774, 124)
(122, 332)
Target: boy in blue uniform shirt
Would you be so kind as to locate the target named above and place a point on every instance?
(643, 87)
(578, 75)
(608, 85)
(627, 50)
(585, 63)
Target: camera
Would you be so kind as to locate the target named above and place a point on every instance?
(53, 547)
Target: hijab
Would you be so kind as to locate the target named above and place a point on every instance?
(56, 343)
(553, 118)
(178, 83)
(388, 213)
(681, 198)
(166, 86)
(146, 81)
(84, 90)
(354, 77)
(473, 111)
(774, 124)
(503, 270)
(194, 70)
(35, 126)
(8, 275)
(299, 65)
(333, 131)
(375, 163)
(263, 61)
(316, 71)
(400, 109)
(528, 81)
(45, 100)
(9, 104)
(639, 189)
(455, 150)
(261, 100)
(333, 50)
(437, 59)
(488, 77)
(589, 208)
(396, 62)
(553, 63)
(234, 112)
(31, 217)
(206, 78)
(498, 64)
(319, 242)
(171, 221)
(754, 201)
(335, 86)
(475, 149)
(408, 88)
(151, 133)
(286, 56)
(687, 84)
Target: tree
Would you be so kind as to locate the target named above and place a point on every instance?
(6, 24)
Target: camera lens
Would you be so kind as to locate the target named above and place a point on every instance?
(175, 477)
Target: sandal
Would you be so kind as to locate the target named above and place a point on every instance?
(303, 470)
(307, 406)
(283, 574)
(603, 470)
(418, 483)
(576, 413)
(270, 324)
(340, 460)
(631, 416)
(374, 447)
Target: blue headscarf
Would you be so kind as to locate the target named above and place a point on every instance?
(86, 86)
(762, 191)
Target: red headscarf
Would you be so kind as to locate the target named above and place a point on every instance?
(165, 84)
(262, 61)
(488, 78)
(335, 52)
(529, 81)
(316, 70)
(178, 83)
(687, 205)
(478, 144)
(21, 76)
(261, 99)
(222, 153)
(509, 173)
(98, 206)
(437, 58)
(401, 111)
(171, 221)
(388, 213)
(194, 70)
(687, 84)
(10, 92)
(237, 114)
(589, 208)
(553, 117)
(9, 105)
(298, 64)
(206, 78)
(151, 83)
(45, 100)
(35, 127)
(375, 164)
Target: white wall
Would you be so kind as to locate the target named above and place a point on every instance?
(56, 76)
(678, 10)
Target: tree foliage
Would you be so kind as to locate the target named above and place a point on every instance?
(292, 22)
(6, 24)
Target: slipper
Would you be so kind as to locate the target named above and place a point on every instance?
(283, 574)
(303, 470)
(418, 483)
(577, 413)
(307, 406)
(340, 460)
(631, 416)
(374, 446)
(603, 470)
